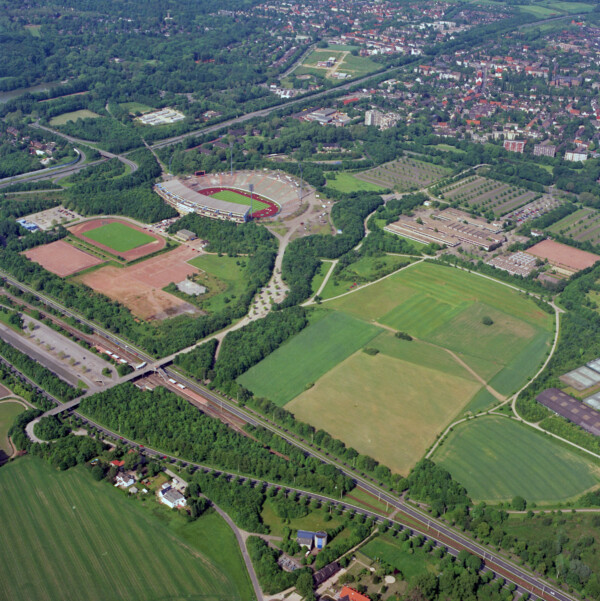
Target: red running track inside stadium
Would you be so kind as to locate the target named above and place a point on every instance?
(270, 211)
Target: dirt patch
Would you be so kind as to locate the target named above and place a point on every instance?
(61, 258)
(157, 244)
(139, 287)
(562, 255)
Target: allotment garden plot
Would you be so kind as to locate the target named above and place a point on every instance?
(582, 225)
(392, 401)
(487, 195)
(524, 462)
(404, 174)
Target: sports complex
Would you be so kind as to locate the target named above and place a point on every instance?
(237, 197)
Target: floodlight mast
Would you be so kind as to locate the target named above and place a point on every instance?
(251, 188)
(231, 158)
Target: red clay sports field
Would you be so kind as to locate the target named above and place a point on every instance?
(272, 209)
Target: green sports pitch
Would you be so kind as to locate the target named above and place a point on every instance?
(240, 199)
(69, 537)
(118, 236)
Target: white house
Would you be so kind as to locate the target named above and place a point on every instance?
(124, 480)
(172, 498)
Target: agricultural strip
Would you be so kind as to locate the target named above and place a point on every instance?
(72, 538)
(285, 373)
(497, 458)
(384, 407)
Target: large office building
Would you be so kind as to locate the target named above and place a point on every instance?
(185, 200)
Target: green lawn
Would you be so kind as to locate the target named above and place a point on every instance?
(319, 276)
(285, 373)
(8, 412)
(136, 107)
(73, 116)
(386, 548)
(223, 277)
(366, 269)
(34, 30)
(497, 458)
(346, 182)
(72, 538)
(314, 521)
(240, 199)
(118, 236)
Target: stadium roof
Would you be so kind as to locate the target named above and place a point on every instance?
(175, 188)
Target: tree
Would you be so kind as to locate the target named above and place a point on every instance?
(519, 503)
(487, 320)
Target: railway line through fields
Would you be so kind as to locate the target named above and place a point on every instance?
(437, 530)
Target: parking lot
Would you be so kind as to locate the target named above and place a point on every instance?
(49, 218)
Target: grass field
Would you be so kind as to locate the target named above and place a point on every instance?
(314, 521)
(73, 116)
(523, 462)
(223, 276)
(366, 269)
(392, 405)
(346, 182)
(354, 66)
(386, 548)
(72, 538)
(118, 236)
(136, 107)
(447, 307)
(8, 412)
(285, 373)
(384, 407)
(240, 199)
(34, 30)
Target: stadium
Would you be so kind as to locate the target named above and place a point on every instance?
(237, 197)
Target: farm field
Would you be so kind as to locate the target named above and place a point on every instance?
(583, 225)
(404, 174)
(302, 360)
(231, 196)
(347, 182)
(521, 460)
(73, 116)
(391, 405)
(384, 407)
(118, 236)
(8, 412)
(66, 535)
(487, 195)
(222, 276)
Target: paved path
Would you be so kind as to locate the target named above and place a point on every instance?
(241, 536)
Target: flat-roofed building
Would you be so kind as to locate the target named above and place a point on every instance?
(575, 411)
(185, 200)
(448, 231)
